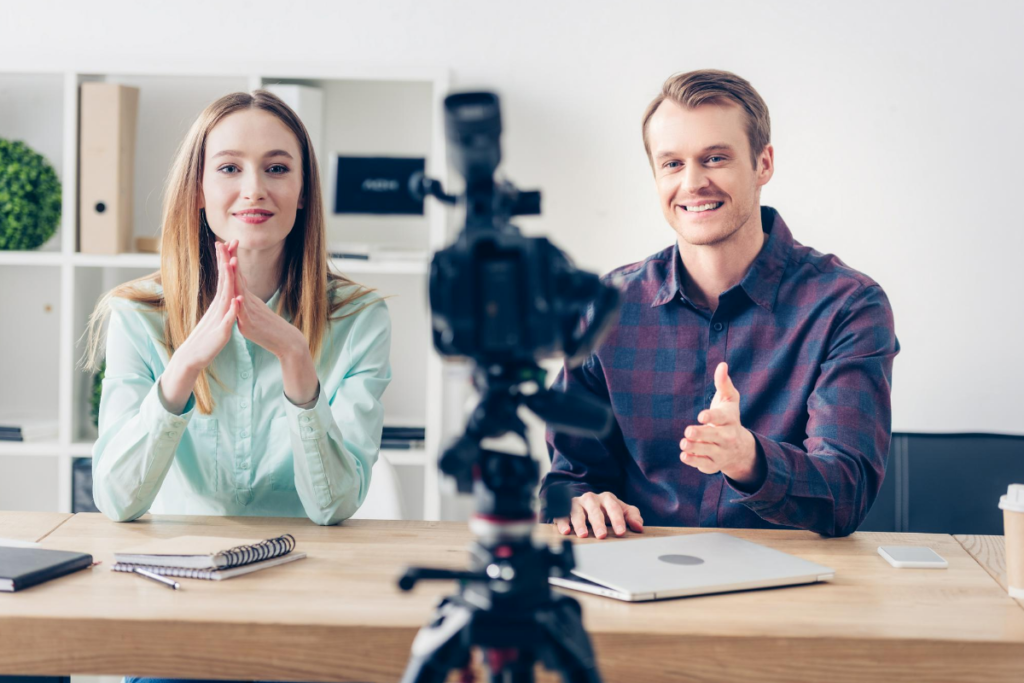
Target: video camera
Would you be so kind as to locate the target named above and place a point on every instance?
(506, 301)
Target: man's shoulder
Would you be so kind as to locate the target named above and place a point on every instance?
(642, 278)
(810, 266)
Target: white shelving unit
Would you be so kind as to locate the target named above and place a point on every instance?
(47, 295)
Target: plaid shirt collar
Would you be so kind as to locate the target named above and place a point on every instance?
(761, 283)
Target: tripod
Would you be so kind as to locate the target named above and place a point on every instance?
(505, 605)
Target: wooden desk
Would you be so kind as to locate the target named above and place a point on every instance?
(990, 553)
(338, 615)
(30, 526)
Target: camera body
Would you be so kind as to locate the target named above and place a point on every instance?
(497, 296)
(500, 297)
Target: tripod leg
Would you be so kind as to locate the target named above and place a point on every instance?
(439, 646)
(568, 649)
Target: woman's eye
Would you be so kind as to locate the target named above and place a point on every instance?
(278, 169)
(225, 168)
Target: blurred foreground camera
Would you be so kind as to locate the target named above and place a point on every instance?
(506, 301)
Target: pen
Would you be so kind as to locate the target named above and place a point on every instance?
(170, 583)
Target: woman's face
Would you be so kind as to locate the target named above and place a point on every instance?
(252, 180)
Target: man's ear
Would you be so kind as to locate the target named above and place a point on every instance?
(765, 165)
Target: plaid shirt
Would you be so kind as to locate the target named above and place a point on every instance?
(810, 344)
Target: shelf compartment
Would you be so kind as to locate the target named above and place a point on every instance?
(30, 341)
(32, 111)
(89, 285)
(17, 475)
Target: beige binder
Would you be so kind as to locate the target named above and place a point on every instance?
(106, 163)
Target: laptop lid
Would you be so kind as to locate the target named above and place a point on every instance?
(693, 564)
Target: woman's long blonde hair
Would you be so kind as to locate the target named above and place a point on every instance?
(188, 266)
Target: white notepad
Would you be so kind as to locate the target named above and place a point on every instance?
(211, 574)
(206, 552)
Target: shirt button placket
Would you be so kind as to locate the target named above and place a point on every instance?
(244, 449)
(718, 334)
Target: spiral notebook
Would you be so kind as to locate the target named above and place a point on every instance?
(206, 552)
(211, 574)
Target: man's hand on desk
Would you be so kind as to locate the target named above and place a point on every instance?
(722, 444)
(601, 510)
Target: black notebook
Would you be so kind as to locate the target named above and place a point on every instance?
(24, 567)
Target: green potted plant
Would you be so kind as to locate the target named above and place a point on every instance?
(97, 391)
(29, 197)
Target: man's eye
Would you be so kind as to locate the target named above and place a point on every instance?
(671, 164)
(278, 169)
(713, 159)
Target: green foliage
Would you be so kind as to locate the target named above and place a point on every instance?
(29, 197)
(97, 389)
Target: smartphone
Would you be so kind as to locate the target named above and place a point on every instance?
(913, 556)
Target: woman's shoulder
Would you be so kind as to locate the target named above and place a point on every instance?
(359, 313)
(139, 307)
(139, 295)
(350, 298)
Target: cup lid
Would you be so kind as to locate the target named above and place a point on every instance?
(1014, 498)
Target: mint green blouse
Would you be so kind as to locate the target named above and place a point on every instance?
(257, 453)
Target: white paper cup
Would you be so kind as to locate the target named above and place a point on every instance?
(1012, 505)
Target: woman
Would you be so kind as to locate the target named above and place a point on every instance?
(243, 378)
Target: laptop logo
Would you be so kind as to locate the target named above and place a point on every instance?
(681, 559)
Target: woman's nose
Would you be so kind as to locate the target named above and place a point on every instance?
(253, 188)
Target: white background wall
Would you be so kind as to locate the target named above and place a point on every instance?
(897, 128)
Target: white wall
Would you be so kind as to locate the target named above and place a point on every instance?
(896, 126)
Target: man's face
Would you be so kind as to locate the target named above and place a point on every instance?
(706, 184)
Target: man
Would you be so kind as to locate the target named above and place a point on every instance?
(749, 375)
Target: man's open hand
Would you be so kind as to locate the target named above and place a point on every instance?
(722, 444)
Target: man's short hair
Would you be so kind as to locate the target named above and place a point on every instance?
(694, 88)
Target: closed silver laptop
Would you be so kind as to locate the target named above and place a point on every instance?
(678, 566)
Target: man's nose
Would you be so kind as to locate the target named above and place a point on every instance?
(694, 179)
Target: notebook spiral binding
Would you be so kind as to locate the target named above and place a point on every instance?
(264, 550)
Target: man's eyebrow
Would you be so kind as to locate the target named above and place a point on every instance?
(720, 147)
(236, 153)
